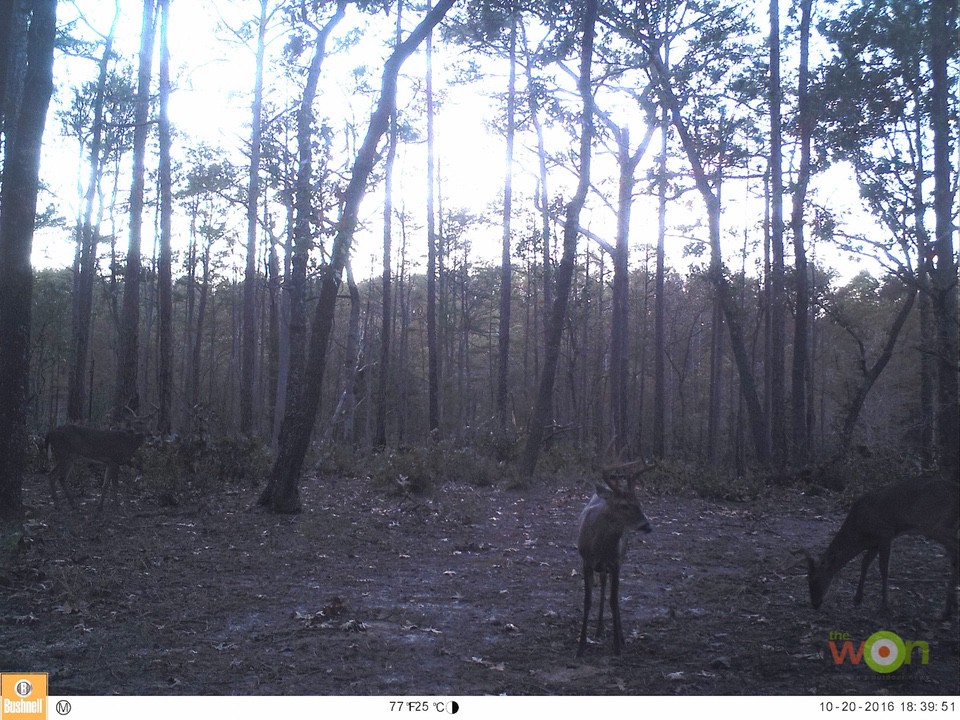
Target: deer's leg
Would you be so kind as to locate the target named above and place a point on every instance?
(868, 557)
(61, 471)
(618, 638)
(884, 572)
(587, 593)
(109, 478)
(603, 591)
(52, 477)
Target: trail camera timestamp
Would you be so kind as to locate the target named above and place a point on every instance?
(902, 706)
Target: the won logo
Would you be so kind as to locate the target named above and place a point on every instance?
(883, 652)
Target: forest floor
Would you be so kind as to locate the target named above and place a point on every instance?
(470, 591)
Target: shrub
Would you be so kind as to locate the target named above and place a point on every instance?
(194, 464)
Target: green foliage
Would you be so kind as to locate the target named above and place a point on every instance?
(197, 466)
(335, 459)
(421, 470)
(404, 471)
(712, 484)
(865, 468)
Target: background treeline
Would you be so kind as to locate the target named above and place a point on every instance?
(671, 177)
(850, 318)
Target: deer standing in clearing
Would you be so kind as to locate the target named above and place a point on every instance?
(604, 523)
(928, 508)
(69, 443)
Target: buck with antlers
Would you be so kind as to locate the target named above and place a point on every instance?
(69, 443)
(928, 508)
(604, 523)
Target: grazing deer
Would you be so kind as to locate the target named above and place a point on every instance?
(928, 508)
(69, 443)
(604, 522)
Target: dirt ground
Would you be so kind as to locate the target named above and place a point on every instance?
(468, 592)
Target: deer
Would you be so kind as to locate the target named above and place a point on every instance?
(112, 448)
(612, 512)
(925, 507)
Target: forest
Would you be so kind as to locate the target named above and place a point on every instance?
(422, 247)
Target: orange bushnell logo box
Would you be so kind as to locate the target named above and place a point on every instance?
(23, 696)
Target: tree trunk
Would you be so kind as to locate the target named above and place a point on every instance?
(942, 38)
(433, 356)
(928, 368)
(775, 359)
(627, 163)
(801, 341)
(715, 399)
(89, 235)
(196, 349)
(164, 275)
(303, 208)
(273, 332)
(619, 320)
(249, 333)
(506, 270)
(543, 205)
(127, 396)
(342, 426)
(189, 334)
(282, 493)
(717, 276)
(870, 375)
(660, 300)
(283, 334)
(23, 126)
(926, 431)
(383, 379)
(571, 229)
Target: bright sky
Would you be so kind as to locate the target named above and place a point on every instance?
(213, 77)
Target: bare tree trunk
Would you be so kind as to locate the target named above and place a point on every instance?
(506, 268)
(543, 205)
(869, 375)
(660, 300)
(127, 396)
(282, 493)
(711, 199)
(383, 380)
(714, 402)
(926, 435)
(89, 235)
(23, 126)
(249, 333)
(303, 207)
(801, 341)
(273, 332)
(433, 356)
(942, 38)
(619, 321)
(342, 426)
(775, 359)
(283, 334)
(571, 229)
(189, 336)
(627, 161)
(928, 369)
(195, 394)
(164, 273)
